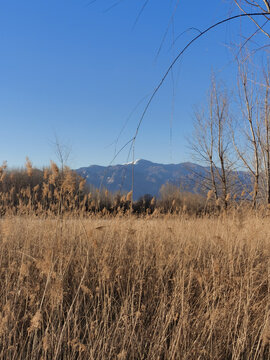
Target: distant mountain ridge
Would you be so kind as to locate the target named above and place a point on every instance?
(148, 176)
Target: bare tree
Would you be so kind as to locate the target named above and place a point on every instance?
(62, 152)
(259, 9)
(264, 132)
(211, 142)
(221, 118)
(262, 5)
(248, 145)
(202, 145)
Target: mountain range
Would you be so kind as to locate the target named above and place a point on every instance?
(149, 177)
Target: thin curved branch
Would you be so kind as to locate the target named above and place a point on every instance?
(267, 4)
(179, 56)
(255, 4)
(166, 32)
(133, 139)
(184, 32)
(249, 38)
(140, 13)
(251, 18)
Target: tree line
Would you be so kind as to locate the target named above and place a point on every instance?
(232, 133)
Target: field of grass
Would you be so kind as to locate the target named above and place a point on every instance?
(127, 288)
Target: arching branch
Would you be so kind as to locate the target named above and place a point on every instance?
(179, 55)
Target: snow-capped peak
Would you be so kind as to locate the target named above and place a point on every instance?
(130, 163)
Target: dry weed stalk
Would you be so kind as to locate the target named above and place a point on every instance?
(152, 288)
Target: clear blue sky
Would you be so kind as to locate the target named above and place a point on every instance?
(78, 70)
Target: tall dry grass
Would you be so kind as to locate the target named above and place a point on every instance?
(125, 288)
(53, 191)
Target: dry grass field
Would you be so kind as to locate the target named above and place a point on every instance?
(127, 288)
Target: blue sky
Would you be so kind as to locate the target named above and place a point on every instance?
(77, 71)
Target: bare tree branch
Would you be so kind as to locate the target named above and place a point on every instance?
(250, 15)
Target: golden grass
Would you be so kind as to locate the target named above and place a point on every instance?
(169, 288)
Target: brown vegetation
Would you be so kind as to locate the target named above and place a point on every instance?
(127, 288)
(53, 192)
(84, 277)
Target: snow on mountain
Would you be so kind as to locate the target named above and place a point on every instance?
(148, 176)
(131, 162)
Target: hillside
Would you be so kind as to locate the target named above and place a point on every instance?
(149, 177)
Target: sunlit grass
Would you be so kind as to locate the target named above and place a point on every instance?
(126, 288)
